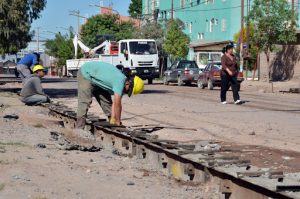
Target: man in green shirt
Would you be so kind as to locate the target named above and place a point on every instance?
(101, 80)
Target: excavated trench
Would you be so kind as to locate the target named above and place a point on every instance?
(238, 171)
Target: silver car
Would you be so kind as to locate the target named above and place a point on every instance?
(182, 72)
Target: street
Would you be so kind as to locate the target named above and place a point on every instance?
(267, 121)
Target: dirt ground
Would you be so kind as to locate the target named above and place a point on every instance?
(27, 170)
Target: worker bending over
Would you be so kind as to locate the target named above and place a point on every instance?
(26, 64)
(101, 80)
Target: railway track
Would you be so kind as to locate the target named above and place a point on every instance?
(227, 166)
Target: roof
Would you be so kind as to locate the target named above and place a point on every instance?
(8, 64)
(208, 45)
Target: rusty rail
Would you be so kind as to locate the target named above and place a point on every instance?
(182, 162)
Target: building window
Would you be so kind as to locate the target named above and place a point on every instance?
(211, 25)
(209, 1)
(191, 27)
(223, 29)
(157, 3)
(147, 7)
(201, 35)
(216, 22)
(181, 3)
(207, 25)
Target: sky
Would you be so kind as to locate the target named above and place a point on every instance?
(56, 16)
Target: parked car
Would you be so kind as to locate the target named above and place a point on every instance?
(182, 72)
(211, 76)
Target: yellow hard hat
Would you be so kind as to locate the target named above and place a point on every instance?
(136, 86)
(38, 67)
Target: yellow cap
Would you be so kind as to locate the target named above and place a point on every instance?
(138, 85)
(38, 67)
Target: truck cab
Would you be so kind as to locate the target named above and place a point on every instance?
(141, 57)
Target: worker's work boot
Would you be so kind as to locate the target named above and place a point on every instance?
(80, 123)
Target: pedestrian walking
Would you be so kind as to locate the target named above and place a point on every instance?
(101, 80)
(32, 92)
(229, 74)
(25, 65)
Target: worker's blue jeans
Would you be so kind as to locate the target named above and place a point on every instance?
(85, 93)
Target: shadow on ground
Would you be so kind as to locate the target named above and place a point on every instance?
(52, 92)
(149, 91)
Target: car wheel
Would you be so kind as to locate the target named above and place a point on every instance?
(150, 81)
(179, 81)
(165, 80)
(210, 85)
(200, 84)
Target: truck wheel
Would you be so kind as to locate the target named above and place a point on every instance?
(200, 84)
(165, 81)
(210, 85)
(150, 81)
(179, 81)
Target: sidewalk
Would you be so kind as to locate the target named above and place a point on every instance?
(265, 87)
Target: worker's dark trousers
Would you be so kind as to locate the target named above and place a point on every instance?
(85, 93)
(225, 80)
(24, 72)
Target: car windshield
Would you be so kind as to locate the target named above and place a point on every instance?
(142, 47)
(217, 66)
(189, 65)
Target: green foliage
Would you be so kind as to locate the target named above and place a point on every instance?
(253, 50)
(274, 23)
(61, 47)
(155, 31)
(135, 8)
(107, 24)
(16, 17)
(176, 41)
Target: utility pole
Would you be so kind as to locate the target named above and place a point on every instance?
(76, 13)
(247, 38)
(38, 39)
(242, 36)
(172, 10)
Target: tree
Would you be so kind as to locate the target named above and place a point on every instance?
(106, 24)
(154, 31)
(274, 23)
(176, 41)
(16, 18)
(253, 50)
(61, 47)
(135, 8)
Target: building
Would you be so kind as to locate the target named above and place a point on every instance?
(33, 46)
(210, 24)
(110, 10)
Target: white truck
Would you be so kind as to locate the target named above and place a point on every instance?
(139, 55)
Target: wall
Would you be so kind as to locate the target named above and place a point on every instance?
(284, 65)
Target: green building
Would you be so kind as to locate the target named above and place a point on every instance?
(211, 24)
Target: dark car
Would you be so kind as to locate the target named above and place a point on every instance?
(182, 72)
(211, 76)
